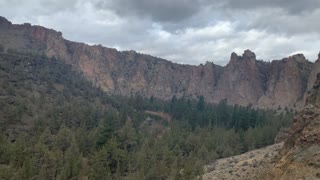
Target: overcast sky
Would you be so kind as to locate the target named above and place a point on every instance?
(182, 31)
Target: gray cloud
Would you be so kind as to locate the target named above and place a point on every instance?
(161, 11)
(280, 16)
(290, 6)
(278, 22)
(179, 10)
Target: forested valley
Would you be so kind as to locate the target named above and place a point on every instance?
(55, 124)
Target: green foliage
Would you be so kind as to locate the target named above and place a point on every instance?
(56, 125)
(201, 104)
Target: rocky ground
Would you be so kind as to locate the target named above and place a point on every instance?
(251, 165)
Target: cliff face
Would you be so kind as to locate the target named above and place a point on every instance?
(300, 156)
(288, 78)
(313, 75)
(243, 81)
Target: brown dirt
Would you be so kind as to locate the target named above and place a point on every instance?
(251, 165)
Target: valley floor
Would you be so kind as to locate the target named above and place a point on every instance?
(250, 165)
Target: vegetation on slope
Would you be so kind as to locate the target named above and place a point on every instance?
(57, 125)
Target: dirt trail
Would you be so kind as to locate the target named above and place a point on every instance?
(163, 115)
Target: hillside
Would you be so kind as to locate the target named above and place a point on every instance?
(244, 80)
(55, 124)
(248, 166)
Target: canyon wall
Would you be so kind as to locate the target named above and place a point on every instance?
(244, 80)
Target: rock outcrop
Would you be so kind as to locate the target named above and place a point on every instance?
(300, 156)
(244, 80)
(287, 78)
(313, 75)
(241, 80)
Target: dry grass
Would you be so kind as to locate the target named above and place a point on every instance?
(250, 165)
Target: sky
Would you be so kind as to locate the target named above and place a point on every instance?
(182, 31)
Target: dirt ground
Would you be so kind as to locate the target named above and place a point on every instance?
(250, 165)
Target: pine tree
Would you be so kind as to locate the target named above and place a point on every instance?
(128, 136)
(201, 104)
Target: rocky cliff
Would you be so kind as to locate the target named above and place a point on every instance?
(297, 158)
(300, 156)
(244, 80)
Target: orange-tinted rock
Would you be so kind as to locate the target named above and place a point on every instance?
(243, 81)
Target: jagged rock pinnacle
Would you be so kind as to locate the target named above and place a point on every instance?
(234, 57)
(249, 54)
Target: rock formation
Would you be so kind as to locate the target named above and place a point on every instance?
(300, 156)
(244, 80)
(297, 158)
